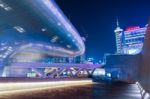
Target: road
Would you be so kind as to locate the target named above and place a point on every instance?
(76, 90)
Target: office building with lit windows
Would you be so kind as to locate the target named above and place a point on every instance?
(133, 40)
(129, 41)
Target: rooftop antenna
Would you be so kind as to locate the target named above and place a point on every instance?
(117, 22)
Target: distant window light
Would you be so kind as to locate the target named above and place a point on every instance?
(108, 74)
(69, 35)
(73, 40)
(43, 29)
(68, 46)
(133, 51)
(54, 39)
(59, 24)
(2, 5)
(99, 72)
(19, 29)
(5, 6)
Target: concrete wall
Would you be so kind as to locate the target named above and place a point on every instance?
(126, 64)
(133, 67)
(144, 66)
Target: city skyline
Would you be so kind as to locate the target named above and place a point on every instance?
(97, 19)
(74, 49)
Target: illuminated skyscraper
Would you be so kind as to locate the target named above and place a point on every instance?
(118, 33)
(129, 41)
(134, 38)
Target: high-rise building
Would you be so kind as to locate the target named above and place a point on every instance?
(129, 41)
(133, 39)
(118, 33)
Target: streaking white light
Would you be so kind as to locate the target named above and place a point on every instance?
(6, 88)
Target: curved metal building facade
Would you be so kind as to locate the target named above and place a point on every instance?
(32, 29)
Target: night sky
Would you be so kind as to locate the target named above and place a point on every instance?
(97, 19)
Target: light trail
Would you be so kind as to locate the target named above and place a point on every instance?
(12, 88)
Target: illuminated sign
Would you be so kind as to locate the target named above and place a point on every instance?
(132, 28)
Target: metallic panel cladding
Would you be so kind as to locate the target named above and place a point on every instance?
(48, 16)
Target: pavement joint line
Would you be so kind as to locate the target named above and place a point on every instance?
(144, 93)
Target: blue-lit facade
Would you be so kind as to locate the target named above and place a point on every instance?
(33, 30)
(133, 40)
(118, 35)
(129, 41)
